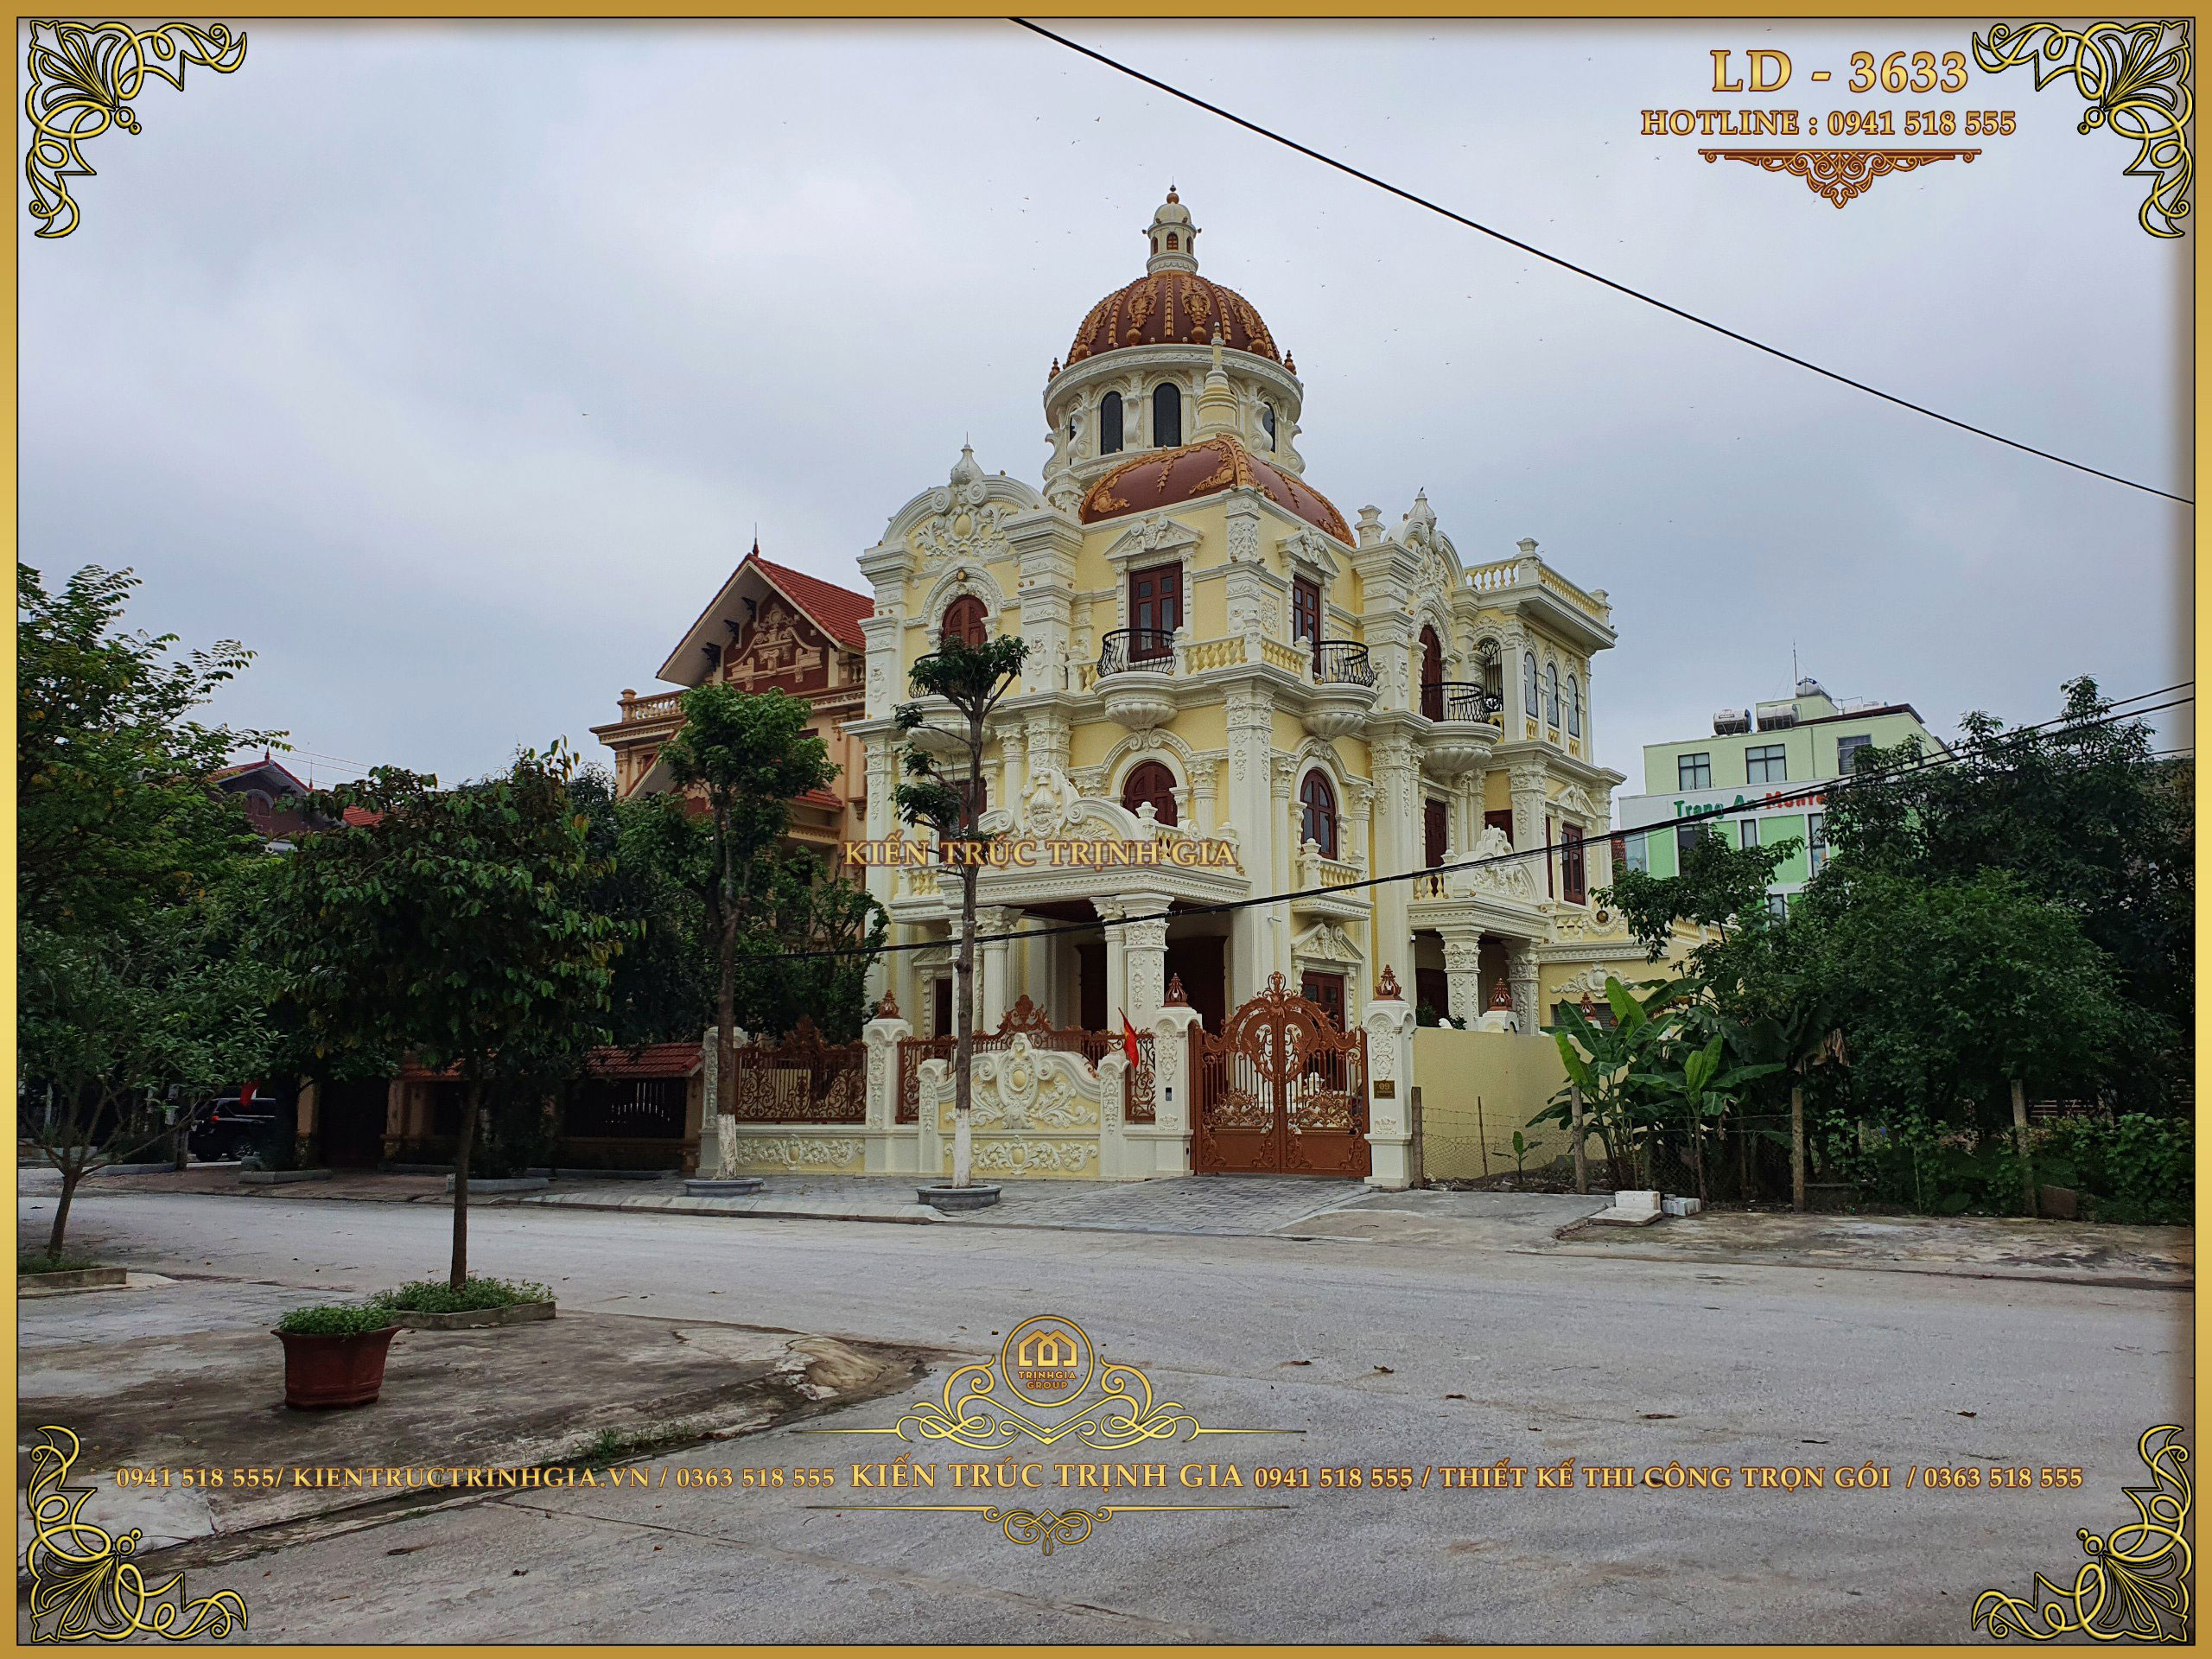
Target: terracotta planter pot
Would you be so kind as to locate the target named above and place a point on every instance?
(323, 1372)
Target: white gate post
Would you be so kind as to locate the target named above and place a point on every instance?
(1174, 1085)
(1390, 1026)
(883, 1035)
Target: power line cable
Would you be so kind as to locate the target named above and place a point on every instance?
(1949, 757)
(1583, 271)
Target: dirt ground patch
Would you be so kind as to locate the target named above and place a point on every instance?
(184, 1375)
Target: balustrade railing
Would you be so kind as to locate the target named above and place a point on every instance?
(1342, 661)
(1143, 651)
(653, 708)
(1461, 700)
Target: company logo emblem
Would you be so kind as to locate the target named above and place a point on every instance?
(1047, 1361)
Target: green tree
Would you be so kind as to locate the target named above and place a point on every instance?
(448, 927)
(1950, 991)
(133, 879)
(642, 853)
(969, 682)
(113, 815)
(109, 1021)
(748, 752)
(2081, 816)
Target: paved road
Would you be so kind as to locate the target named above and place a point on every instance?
(1383, 1353)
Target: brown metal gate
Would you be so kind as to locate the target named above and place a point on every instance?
(1280, 1091)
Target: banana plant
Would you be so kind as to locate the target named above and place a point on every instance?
(1610, 1064)
(1702, 1090)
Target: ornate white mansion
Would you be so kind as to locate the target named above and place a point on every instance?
(1216, 651)
(1216, 655)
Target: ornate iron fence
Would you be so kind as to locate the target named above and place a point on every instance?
(1144, 651)
(802, 1079)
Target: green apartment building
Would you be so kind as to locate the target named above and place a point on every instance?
(1765, 767)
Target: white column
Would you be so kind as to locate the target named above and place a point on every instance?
(1251, 744)
(1109, 912)
(1398, 846)
(886, 1152)
(1144, 956)
(1463, 972)
(1521, 971)
(1390, 1026)
(991, 960)
(1174, 1081)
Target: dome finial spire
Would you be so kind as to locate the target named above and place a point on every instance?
(1171, 237)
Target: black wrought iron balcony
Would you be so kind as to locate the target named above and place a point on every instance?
(1461, 700)
(1143, 650)
(1341, 661)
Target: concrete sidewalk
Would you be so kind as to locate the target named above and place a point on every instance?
(1981, 1247)
(180, 1374)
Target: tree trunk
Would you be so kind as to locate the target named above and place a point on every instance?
(1797, 1147)
(725, 1026)
(71, 1174)
(2030, 1207)
(963, 972)
(1581, 1156)
(459, 1275)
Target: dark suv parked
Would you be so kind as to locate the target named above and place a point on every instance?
(227, 1129)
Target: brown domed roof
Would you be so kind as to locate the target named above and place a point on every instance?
(1165, 477)
(1172, 308)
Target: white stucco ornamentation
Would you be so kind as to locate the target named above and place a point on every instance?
(1020, 1087)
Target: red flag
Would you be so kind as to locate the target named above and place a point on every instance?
(1129, 1040)
(245, 1096)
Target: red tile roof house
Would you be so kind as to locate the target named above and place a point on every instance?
(770, 626)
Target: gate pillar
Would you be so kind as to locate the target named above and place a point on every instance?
(1390, 1026)
(1177, 1080)
(887, 1152)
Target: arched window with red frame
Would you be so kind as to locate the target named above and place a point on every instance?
(1318, 813)
(964, 621)
(1152, 782)
(1431, 674)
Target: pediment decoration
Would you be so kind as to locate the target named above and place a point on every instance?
(781, 648)
(1155, 536)
(1509, 878)
(1310, 551)
(1021, 1087)
(1575, 801)
(1326, 942)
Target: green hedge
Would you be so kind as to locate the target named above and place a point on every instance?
(436, 1296)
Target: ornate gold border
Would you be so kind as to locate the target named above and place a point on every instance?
(1046, 1529)
(966, 1413)
(2137, 1580)
(2137, 85)
(81, 82)
(1838, 175)
(83, 1583)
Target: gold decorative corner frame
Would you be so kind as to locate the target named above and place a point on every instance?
(2137, 86)
(1838, 175)
(83, 77)
(2136, 1582)
(83, 1583)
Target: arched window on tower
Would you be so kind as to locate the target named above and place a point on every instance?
(964, 621)
(1528, 701)
(1551, 695)
(1166, 416)
(1431, 674)
(1110, 425)
(1316, 804)
(1152, 782)
(1268, 422)
(1573, 707)
(1173, 242)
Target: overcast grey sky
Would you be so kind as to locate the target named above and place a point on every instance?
(451, 365)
